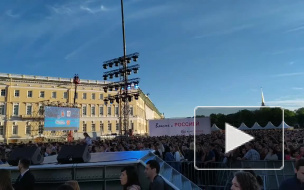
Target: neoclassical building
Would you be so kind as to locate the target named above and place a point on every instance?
(22, 98)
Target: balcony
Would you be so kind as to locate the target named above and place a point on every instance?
(32, 116)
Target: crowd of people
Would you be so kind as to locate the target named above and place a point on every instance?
(176, 150)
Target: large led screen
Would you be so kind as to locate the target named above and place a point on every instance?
(61, 118)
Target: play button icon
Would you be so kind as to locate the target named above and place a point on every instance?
(235, 138)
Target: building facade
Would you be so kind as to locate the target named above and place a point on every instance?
(23, 98)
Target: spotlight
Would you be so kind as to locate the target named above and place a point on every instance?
(123, 99)
(105, 89)
(135, 70)
(135, 58)
(111, 76)
(129, 86)
(111, 65)
(121, 61)
(128, 72)
(116, 74)
(105, 77)
(110, 88)
(104, 66)
(116, 87)
(136, 85)
(129, 98)
(116, 62)
(117, 99)
(111, 100)
(128, 60)
(136, 96)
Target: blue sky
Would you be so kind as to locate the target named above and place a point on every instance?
(192, 53)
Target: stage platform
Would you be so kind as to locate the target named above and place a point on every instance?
(101, 172)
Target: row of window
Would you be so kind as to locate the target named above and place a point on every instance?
(54, 94)
(84, 128)
(29, 109)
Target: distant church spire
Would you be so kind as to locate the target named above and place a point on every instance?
(263, 101)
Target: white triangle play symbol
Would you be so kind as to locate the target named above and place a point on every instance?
(235, 138)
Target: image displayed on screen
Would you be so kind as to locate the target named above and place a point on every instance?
(59, 118)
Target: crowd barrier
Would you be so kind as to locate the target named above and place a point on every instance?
(272, 172)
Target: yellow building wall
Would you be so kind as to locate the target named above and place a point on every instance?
(36, 84)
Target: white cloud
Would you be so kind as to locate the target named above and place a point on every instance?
(227, 31)
(295, 29)
(288, 74)
(297, 88)
(291, 104)
(10, 14)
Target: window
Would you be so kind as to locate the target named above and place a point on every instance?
(1, 130)
(131, 111)
(29, 94)
(76, 95)
(84, 127)
(93, 96)
(101, 96)
(93, 110)
(101, 127)
(2, 111)
(93, 127)
(109, 126)
(116, 110)
(3, 92)
(53, 94)
(41, 94)
(84, 96)
(132, 125)
(16, 110)
(109, 110)
(101, 110)
(117, 126)
(40, 129)
(41, 110)
(84, 110)
(65, 95)
(28, 130)
(29, 110)
(17, 93)
(15, 129)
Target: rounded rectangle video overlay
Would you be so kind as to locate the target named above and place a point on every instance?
(241, 138)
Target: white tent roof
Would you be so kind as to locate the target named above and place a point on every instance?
(243, 127)
(256, 126)
(269, 126)
(285, 126)
(215, 128)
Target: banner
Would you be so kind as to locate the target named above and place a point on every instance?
(61, 118)
(185, 126)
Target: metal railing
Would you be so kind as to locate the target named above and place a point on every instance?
(271, 172)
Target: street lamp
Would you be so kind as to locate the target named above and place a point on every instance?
(76, 81)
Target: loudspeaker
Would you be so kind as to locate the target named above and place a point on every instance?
(74, 154)
(31, 153)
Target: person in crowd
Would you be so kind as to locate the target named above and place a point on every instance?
(26, 180)
(5, 180)
(244, 181)
(73, 183)
(129, 178)
(296, 182)
(87, 139)
(152, 171)
(65, 187)
(251, 153)
(271, 155)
